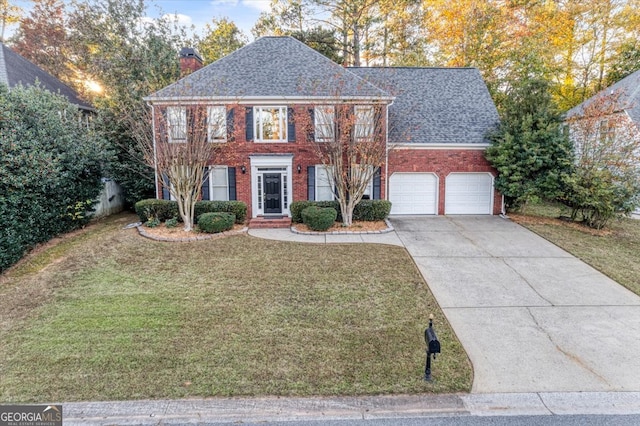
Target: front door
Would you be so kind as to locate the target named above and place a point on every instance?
(272, 193)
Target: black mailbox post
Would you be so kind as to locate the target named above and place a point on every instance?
(433, 347)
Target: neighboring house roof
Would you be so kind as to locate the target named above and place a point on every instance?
(435, 105)
(17, 71)
(628, 100)
(271, 67)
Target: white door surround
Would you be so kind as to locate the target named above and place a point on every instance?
(271, 165)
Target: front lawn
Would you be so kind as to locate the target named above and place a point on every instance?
(615, 250)
(109, 315)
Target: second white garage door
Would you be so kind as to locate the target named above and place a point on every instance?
(413, 193)
(468, 193)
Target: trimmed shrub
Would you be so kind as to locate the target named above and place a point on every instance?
(162, 210)
(366, 210)
(171, 223)
(372, 210)
(319, 218)
(238, 208)
(215, 222)
(297, 207)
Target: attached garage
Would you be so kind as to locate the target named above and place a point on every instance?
(469, 193)
(413, 193)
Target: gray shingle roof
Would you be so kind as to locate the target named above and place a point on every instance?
(629, 100)
(17, 71)
(276, 67)
(435, 105)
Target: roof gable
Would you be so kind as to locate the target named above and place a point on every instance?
(436, 105)
(17, 71)
(271, 67)
(628, 100)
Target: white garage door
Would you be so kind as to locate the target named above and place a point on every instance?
(413, 193)
(469, 193)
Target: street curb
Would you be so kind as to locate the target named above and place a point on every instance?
(272, 409)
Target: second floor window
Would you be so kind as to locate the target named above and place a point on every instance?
(217, 123)
(324, 123)
(270, 124)
(177, 124)
(364, 123)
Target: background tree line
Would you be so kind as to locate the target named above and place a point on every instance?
(546, 54)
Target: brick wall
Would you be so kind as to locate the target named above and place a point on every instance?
(442, 162)
(439, 161)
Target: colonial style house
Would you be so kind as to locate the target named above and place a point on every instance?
(435, 124)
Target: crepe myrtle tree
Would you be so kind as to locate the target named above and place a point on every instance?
(351, 143)
(606, 180)
(179, 141)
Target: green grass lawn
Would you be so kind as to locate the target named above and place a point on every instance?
(615, 251)
(109, 315)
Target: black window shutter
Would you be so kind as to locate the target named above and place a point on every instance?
(205, 185)
(377, 184)
(311, 183)
(249, 124)
(166, 195)
(311, 136)
(231, 172)
(291, 126)
(230, 125)
(378, 129)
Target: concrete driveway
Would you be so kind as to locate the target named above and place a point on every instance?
(532, 317)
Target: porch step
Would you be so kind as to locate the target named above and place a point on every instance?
(267, 222)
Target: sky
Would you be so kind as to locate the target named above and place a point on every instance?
(194, 12)
(200, 12)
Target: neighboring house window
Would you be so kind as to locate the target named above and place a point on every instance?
(217, 123)
(177, 124)
(270, 124)
(324, 123)
(324, 184)
(606, 130)
(218, 183)
(364, 122)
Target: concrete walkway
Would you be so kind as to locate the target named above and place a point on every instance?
(532, 317)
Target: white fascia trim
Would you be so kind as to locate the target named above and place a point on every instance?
(441, 146)
(265, 100)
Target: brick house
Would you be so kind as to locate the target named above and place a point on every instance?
(435, 120)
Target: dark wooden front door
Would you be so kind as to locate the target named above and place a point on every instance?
(272, 193)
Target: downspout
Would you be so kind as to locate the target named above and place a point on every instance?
(386, 159)
(155, 158)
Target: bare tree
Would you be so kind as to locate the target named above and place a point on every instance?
(607, 160)
(179, 141)
(351, 143)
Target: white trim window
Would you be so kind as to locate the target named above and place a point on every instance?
(177, 124)
(364, 123)
(324, 184)
(362, 172)
(217, 123)
(324, 123)
(218, 183)
(270, 124)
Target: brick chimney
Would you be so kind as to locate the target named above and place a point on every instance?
(190, 61)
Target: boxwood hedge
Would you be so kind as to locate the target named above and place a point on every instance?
(365, 210)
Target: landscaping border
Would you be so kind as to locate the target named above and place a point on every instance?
(390, 228)
(145, 234)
